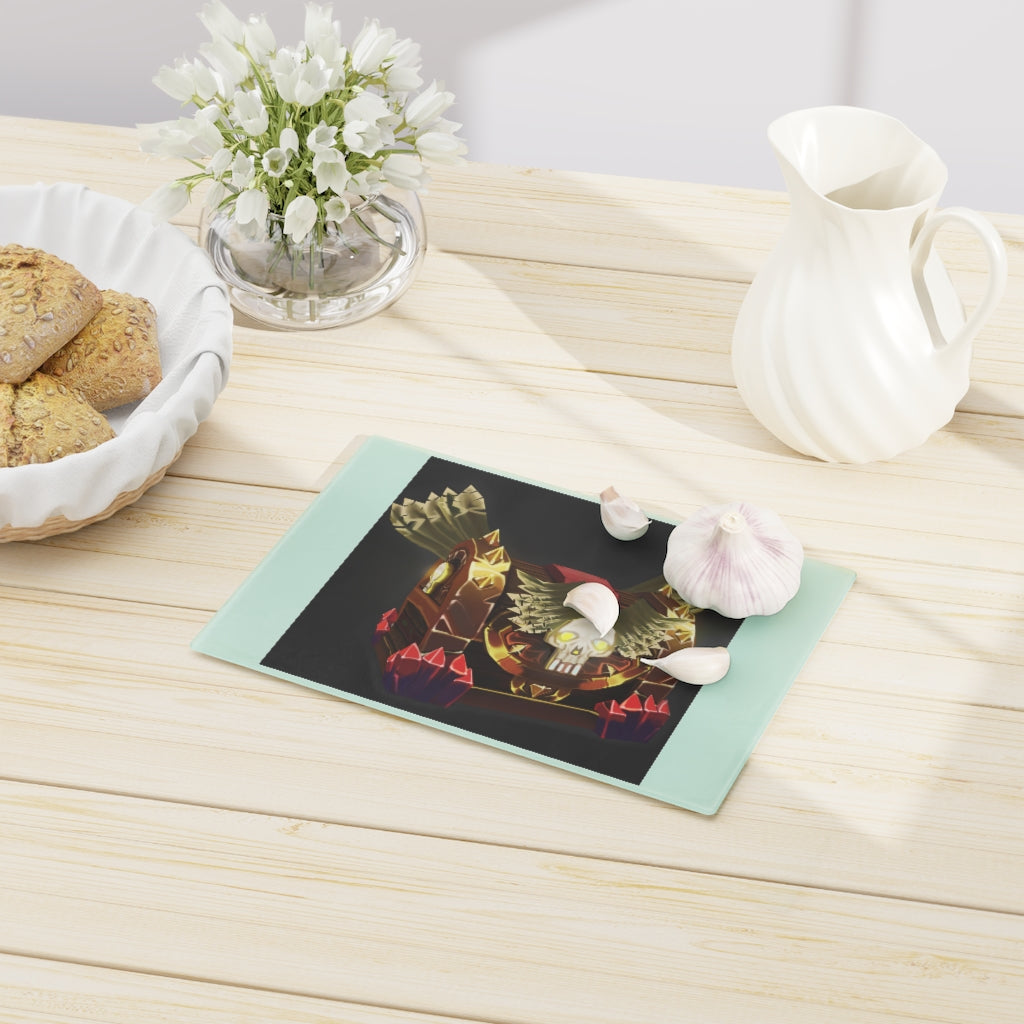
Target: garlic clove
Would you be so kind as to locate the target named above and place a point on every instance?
(622, 517)
(736, 559)
(596, 603)
(696, 665)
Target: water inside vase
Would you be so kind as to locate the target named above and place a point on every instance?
(349, 256)
(358, 268)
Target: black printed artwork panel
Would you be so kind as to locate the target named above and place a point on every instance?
(453, 610)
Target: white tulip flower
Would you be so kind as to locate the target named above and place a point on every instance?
(215, 195)
(365, 128)
(185, 137)
(252, 206)
(299, 218)
(242, 170)
(227, 59)
(285, 68)
(369, 107)
(221, 23)
(188, 79)
(275, 161)
(404, 74)
(176, 82)
(207, 138)
(428, 106)
(366, 182)
(372, 46)
(258, 37)
(167, 200)
(405, 170)
(364, 138)
(165, 138)
(318, 25)
(321, 137)
(249, 112)
(330, 171)
(440, 148)
(312, 82)
(337, 209)
(289, 141)
(207, 84)
(221, 162)
(323, 35)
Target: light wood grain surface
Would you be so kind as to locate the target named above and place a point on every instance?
(183, 840)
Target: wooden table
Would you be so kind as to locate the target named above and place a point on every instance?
(183, 840)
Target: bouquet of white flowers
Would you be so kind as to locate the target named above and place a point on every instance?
(306, 132)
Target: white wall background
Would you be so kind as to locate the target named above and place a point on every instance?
(679, 89)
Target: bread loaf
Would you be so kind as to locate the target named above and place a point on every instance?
(115, 358)
(44, 302)
(42, 420)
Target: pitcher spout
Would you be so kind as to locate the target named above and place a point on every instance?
(857, 159)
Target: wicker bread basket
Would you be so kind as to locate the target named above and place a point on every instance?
(117, 245)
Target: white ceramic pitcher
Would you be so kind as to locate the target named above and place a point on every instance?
(851, 344)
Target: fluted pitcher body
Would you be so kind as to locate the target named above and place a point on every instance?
(852, 344)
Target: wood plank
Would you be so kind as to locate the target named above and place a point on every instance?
(343, 913)
(862, 769)
(595, 220)
(51, 992)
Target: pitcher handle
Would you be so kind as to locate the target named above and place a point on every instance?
(995, 250)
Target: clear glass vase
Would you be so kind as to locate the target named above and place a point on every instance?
(356, 269)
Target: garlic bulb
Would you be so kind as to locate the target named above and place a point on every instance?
(697, 665)
(596, 603)
(736, 559)
(622, 517)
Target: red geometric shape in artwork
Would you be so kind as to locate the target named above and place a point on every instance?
(433, 677)
(634, 719)
(462, 672)
(632, 703)
(387, 620)
(611, 709)
(406, 661)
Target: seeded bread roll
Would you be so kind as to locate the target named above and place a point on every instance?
(44, 302)
(42, 420)
(6, 422)
(115, 358)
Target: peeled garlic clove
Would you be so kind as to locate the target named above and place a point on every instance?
(596, 603)
(697, 665)
(736, 559)
(622, 517)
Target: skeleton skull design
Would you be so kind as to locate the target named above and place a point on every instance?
(574, 642)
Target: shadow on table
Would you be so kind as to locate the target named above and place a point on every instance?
(556, 277)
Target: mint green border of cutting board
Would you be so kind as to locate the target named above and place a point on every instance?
(707, 749)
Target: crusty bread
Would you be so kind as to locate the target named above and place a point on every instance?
(44, 302)
(6, 422)
(115, 358)
(42, 420)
